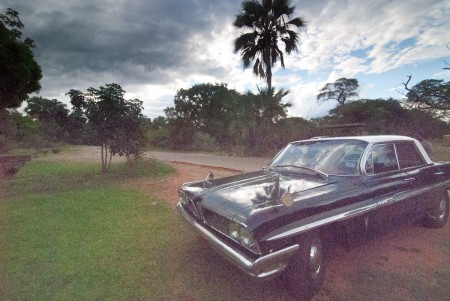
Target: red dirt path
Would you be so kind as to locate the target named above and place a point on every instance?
(400, 264)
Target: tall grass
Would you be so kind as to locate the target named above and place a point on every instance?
(441, 151)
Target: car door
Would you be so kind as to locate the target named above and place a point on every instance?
(423, 177)
(387, 185)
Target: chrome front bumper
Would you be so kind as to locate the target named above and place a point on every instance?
(262, 268)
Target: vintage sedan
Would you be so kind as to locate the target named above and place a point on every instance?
(282, 218)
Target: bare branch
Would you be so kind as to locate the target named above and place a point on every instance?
(407, 82)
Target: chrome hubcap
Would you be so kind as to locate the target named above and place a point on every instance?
(441, 210)
(439, 214)
(315, 258)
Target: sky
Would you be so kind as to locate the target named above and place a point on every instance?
(154, 48)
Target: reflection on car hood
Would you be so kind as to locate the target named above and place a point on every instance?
(245, 194)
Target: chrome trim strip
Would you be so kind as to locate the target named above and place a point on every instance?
(263, 267)
(325, 218)
(348, 212)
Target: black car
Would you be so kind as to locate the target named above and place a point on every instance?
(282, 218)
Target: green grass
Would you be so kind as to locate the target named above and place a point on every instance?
(68, 232)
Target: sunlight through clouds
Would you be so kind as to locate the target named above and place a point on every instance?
(154, 48)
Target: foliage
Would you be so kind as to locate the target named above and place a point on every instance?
(17, 130)
(431, 95)
(219, 118)
(341, 90)
(256, 120)
(8, 131)
(265, 23)
(158, 135)
(114, 122)
(381, 116)
(47, 110)
(76, 123)
(52, 116)
(205, 117)
(204, 142)
(19, 72)
(204, 107)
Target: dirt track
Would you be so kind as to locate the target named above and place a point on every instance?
(408, 262)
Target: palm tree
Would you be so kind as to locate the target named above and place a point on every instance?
(266, 23)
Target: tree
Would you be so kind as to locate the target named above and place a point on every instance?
(341, 90)
(203, 107)
(116, 123)
(256, 122)
(52, 116)
(381, 116)
(47, 109)
(76, 126)
(431, 95)
(266, 23)
(19, 72)
(129, 138)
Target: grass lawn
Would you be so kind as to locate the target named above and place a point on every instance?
(70, 233)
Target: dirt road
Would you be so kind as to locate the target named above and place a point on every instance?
(244, 164)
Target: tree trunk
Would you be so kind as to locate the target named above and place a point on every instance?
(110, 158)
(103, 158)
(269, 77)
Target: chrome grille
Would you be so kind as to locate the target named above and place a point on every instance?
(216, 221)
(189, 204)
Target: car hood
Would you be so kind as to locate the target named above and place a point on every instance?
(239, 197)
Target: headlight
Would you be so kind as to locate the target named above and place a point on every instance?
(234, 231)
(183, 199)
(243, 236)
(246, 238)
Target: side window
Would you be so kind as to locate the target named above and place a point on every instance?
(382, 158)
(408, 155)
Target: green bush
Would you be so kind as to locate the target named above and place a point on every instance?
(205, 142)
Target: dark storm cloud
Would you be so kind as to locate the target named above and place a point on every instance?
(136, 41)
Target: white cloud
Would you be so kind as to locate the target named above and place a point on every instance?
(378, 27)
(154, 48)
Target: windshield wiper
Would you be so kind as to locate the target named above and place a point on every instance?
(322, 175)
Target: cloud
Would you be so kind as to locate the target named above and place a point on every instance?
(392, 33)
(154, 48)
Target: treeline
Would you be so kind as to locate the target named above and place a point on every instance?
(101, 117)
(205, 117)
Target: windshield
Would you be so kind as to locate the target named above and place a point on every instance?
(339, 157)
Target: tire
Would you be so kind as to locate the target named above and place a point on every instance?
(439, 216)
(306, 272)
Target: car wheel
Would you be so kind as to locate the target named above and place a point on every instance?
(306, 271)
(439, 216)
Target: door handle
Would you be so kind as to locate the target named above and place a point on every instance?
(409, 179)
(439, 173)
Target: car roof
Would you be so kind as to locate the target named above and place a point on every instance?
(377, 139)
(368, 139)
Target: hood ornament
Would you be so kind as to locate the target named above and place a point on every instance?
(208, 179)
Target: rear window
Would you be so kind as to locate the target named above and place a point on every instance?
(408, 155)
(382, 158)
